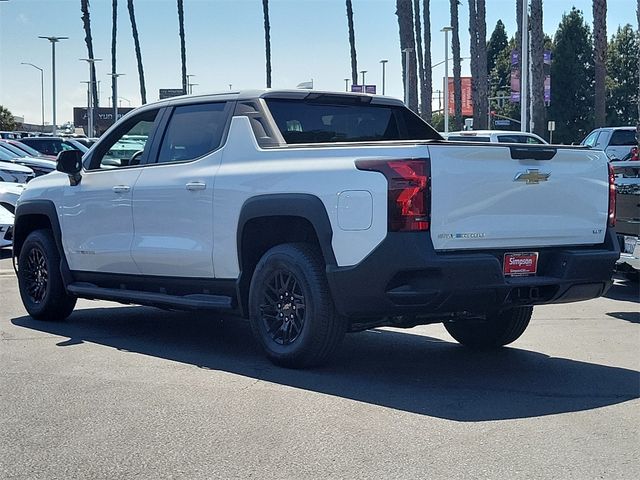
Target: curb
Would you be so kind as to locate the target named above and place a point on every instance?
(6, 272)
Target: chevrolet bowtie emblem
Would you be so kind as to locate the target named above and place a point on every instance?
(532, 175)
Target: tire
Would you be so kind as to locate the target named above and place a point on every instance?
(40, 281)
(291, 312)
(497, 330)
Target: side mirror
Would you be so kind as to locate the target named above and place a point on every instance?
(70, 162)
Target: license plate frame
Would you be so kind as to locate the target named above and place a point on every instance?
(520, 264)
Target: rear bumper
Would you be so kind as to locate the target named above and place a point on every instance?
(630, 247)
(404, 275)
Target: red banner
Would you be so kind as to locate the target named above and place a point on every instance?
(467, 103)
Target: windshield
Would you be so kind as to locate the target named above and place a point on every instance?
(13, 149)
(6, 156)
(342, 120)
(27, 149)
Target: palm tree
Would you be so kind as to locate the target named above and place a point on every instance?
(136, 42)
(267, 40)
(479, 80)
(638, 124)
(86, 22)
(428, 81)
(418, 31)
(537, 69)
(352, 44)
(114, 31)
(404, 11)
(600, 54)
(457, 69)
(183, 49)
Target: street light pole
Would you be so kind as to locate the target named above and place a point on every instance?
(406, 52)
(363, 72)
(90, 106)
(384, 64)
(41, 88)
(114, 98)
(446, 31)
(189, 84)
(346, 84)
(53, 41)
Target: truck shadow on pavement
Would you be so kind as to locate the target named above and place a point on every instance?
(398, 370)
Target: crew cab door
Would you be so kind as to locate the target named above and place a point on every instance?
(96, 215)
(173, 198)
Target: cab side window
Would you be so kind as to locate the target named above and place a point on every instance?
(128, 145)
(193, 131)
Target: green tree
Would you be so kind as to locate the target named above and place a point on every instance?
(622, 78)
(478, 48)
(538, 112)
(6, 119)
(428, 78)
(600, 54)
(183, 48)
(496, 44)
(136, 43)
(572, 79)
(457, 65)
(352, 43)
(404, 11)
(267, 40)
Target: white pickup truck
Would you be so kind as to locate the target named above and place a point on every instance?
(314, 214)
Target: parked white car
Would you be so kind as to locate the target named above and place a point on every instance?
(495, 136)
(12, 172)
(9, 194)
(617, 142)
(6, 227)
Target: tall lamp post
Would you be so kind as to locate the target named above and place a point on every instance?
(346, 84)
(384, 64)
(363, 73)
(446, 31)
(53, 41)
(189, 84)
(114, 98)
(41, 88)
(90, 106)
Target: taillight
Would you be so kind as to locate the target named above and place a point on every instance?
(612, 196)
(408, 192)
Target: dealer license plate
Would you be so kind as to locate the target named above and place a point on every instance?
(520, 263)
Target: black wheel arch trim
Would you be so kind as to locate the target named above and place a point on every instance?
(47, 209)
(301, 205)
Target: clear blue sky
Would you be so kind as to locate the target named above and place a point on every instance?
(225, 45)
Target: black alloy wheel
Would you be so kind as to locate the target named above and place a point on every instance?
(36, 274)
(291, 311)
(283, 308)
(41, 287)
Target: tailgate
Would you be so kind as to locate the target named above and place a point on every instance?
(517, 196)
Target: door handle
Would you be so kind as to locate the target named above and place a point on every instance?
(121, 188)
(193, 186)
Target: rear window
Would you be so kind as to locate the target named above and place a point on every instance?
(468, 138)
(325, 120)
(517, 139)
(623, 137)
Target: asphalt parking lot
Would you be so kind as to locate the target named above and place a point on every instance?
(133, 392)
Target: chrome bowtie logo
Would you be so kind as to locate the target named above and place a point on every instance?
(531, 176)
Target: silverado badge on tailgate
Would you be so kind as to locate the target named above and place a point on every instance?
(520, 263)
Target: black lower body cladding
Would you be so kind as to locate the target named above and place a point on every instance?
(404, 275)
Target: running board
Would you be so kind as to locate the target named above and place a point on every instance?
(162, 300)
